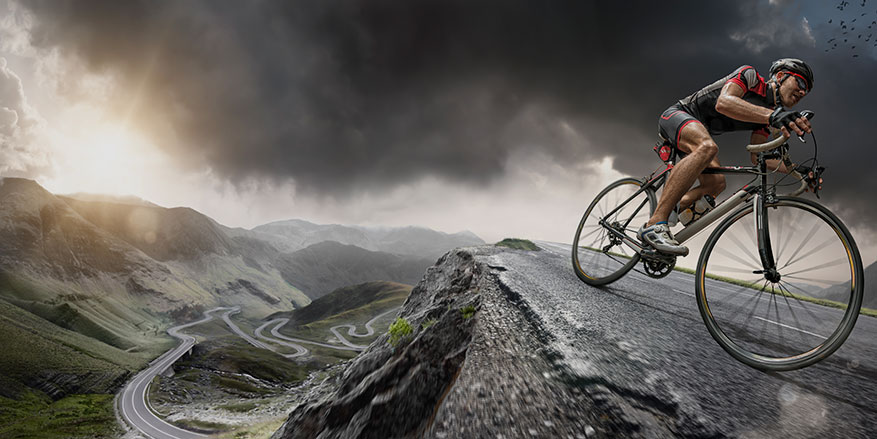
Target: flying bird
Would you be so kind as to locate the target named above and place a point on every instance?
(855, 56)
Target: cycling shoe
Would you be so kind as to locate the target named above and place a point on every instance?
(659, 237)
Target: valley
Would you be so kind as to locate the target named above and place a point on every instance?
(90, 285)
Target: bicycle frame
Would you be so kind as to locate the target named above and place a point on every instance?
(758, 195)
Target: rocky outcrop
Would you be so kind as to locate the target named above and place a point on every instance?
(474, 366)
(394, 391)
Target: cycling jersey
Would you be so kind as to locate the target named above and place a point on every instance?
(701, 106)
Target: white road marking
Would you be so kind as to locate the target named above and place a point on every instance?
(790, 327)
(683, 292)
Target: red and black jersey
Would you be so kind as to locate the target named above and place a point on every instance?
(702, 104)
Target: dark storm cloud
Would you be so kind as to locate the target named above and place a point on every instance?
(344, 96)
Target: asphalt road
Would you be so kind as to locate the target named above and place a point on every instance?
(644, 342)
(133, 404)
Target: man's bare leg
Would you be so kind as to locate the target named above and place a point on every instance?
(702, 152)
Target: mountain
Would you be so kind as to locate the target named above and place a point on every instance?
(120, 199)
(94, 281)
(321, 268)
(91, 283)
(840, 293)
(292, 235)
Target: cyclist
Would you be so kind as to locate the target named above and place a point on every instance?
(742, 100)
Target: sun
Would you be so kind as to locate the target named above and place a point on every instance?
(105, 158)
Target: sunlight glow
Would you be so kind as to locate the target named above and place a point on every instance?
(102, 158)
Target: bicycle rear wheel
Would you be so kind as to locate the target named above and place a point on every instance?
(798, 319)
(598, 256)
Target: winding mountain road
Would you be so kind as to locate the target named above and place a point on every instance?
(134, 406)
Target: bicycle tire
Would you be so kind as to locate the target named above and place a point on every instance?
(586, 259)
(769, 349)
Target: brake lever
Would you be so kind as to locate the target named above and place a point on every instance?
(809, 116)
(817, 174)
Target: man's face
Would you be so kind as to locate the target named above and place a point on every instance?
(790, 91)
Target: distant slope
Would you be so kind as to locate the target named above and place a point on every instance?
(377, 295)
(292, 235)
(840, 293)
(164, 234)
(323, 267)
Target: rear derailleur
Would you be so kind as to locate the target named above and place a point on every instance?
(657, 265)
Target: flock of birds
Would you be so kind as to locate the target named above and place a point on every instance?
(848, 35)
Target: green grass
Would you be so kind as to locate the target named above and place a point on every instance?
(240, 407)
(33, 347)
(73, 417)
(518, 244)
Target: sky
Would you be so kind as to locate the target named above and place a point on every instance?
(500, 117)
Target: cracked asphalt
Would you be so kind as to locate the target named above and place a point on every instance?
(639, 349)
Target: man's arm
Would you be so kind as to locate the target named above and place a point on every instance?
(731, 104)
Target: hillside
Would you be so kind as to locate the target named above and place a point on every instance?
(378, 295)
(323, 267)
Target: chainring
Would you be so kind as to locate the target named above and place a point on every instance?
(659, 266)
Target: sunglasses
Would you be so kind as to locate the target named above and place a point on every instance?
(802, 83)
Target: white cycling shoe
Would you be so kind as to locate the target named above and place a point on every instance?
(661, 239)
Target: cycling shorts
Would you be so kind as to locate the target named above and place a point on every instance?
(672, 121)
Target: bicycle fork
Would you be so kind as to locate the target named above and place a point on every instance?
(765, 252)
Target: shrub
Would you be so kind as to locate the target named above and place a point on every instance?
(468, 311)
(400, 328)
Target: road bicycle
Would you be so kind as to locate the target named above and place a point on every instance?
(779, 281)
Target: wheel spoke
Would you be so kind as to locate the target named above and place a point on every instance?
(754, 263)
(599, 267)
(804, 241)
(819, 247)
(744, 249)
(820, 266)
(786, 324)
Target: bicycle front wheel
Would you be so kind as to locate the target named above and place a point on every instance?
(793, 321)
(598, 256)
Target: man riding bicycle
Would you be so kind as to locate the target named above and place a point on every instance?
(742, 100)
